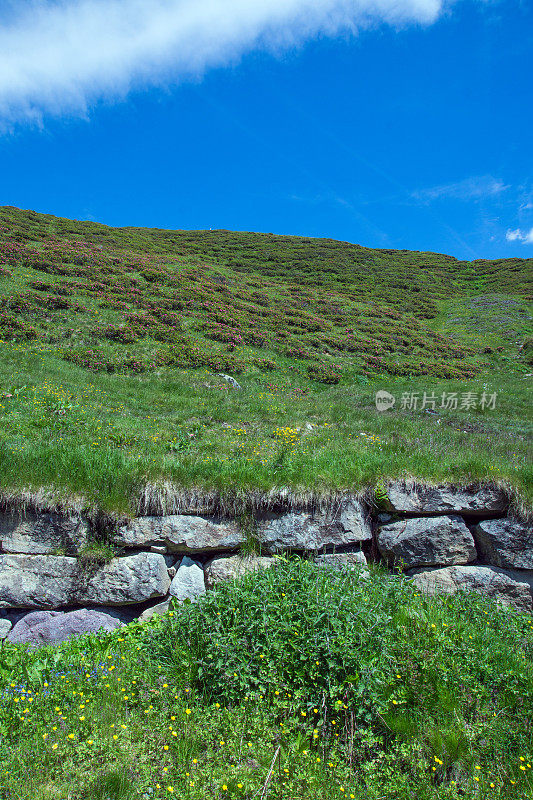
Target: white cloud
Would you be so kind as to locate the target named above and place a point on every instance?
(60, 56)
(519, 235)
(475, 188)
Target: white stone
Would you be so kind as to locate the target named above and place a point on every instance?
(189, 581)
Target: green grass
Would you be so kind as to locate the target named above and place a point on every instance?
(113, 340)
(348, 688)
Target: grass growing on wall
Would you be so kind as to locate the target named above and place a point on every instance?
(297, 682)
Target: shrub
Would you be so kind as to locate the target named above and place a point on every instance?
(323, 373)
(365, 651)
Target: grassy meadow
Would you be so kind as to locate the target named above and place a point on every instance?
(292, 684)
(113, 341)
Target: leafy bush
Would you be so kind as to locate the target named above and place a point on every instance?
(323, 373)
(329, 635)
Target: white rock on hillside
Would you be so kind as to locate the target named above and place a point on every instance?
(5, 627)
(181, 534)
(189, 581)
(445, 500)
(489, 581)
(427, 542)
(219, 570)
(53, 581)
(505, 543)
(41, 533)
(307, 531)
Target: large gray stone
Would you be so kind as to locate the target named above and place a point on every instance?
(306, 531)
(219, 570)
(445, 500)
(489, 581)
(505, 543)
(346, 560)
(427, 542)
(53, 581)
(51, 627)
(133, 579)
(5, 627)
(180, 533)
(39, 533)
(189, 581)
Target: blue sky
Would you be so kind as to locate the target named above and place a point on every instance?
(397, 123)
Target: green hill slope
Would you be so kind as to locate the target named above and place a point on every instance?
(113, 338)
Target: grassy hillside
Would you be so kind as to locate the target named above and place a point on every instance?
(297, 683)
(113, 340)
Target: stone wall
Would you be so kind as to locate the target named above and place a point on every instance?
(441, 538)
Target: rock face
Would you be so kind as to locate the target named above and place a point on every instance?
(219, 570)
(306, 531)
(181, 534)
(41, 533)
(445, 500)
(189, 581)
(505, 543)
(427, 542)
(39, 568)
(342, 560)
(54, 581)
(490, 581)
(51, 627)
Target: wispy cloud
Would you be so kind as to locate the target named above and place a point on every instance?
(475, 188)
(518, 235)
(61, 56)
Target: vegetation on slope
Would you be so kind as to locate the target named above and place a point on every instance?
(294, 683)
(113, 338)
